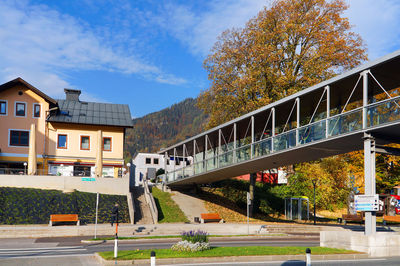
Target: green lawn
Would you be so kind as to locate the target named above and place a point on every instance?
(168, 210)
(223, 252)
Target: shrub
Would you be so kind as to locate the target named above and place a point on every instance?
(195, 236)
(190, 247)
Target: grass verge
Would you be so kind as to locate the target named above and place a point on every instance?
(168, 210)
(222, 252)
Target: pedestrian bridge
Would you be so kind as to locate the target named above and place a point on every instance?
(330, 118)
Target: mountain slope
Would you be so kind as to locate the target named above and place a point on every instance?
(158, 130)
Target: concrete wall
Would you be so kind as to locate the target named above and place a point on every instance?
(112, 186)
(381, 244)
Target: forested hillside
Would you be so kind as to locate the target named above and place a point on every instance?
(166, 127)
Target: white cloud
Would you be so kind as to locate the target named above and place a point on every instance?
(199, 29)
(377, 21)
(40, 44)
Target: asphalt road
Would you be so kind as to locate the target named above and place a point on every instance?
(70, 251)
(61, 246)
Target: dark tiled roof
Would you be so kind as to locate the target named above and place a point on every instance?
(90, 113)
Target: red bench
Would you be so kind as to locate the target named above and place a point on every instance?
(387, 218)
(210, 217)
(352, 218)
(63, 218)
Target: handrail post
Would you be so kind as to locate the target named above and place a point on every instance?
(365, 97)
(252, 138)
(328, 110)
(234, 143)
(219, 146)
(297, 120)
(273, 129)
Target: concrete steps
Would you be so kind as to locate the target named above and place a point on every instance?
(142, 209)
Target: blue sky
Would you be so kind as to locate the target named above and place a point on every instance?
(147, 54)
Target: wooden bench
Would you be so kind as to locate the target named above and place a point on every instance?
(64, 218)
(387, 218)
(210, 217)
(352, 218)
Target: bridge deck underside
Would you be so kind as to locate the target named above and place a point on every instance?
(303, 153)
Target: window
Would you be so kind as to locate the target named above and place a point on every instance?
(155, 161)
(85, 143)
(20, 109)
(36, 110)
(19, 138)
(107, 144)
(3, 108)
(61, 141)
(148, 160)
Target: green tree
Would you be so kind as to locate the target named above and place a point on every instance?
(286, 48)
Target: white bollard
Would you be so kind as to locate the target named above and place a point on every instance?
(308, 257)
(116, 248)
(152, 258)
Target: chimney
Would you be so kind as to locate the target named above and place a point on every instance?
(72, 95)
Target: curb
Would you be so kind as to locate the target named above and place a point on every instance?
(278, 258)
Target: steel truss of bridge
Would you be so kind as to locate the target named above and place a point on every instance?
(359, 109)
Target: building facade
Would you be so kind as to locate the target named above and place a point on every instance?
(68, 132)
(148, 163)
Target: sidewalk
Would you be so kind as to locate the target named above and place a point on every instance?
(35, 231)
(300, 259)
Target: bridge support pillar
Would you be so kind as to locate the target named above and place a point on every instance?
(369, 177)
(253, 178)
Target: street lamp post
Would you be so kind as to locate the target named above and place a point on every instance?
(314, 182)
(25, 164)
(128, 165)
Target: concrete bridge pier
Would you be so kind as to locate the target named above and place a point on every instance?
(370, 184)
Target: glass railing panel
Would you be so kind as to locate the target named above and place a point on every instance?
(179, 174)
(263, 147)
(225, 159)
(345, 123)
(313, 132)
(188, 171)
(382, 113)
(285, 141)
(243, 153)
(211, 164)
(199, 167)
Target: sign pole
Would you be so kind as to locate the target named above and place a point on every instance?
(97, 209)
(248, 205)
(116, 240)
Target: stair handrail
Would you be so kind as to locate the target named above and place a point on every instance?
(151, 202)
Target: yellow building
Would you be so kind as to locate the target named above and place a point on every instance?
(69, 133)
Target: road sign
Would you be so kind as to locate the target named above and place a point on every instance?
(366, 202)
(88, 179)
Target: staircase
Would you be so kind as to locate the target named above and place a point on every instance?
(142, 209)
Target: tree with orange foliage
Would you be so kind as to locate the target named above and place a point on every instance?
(286, 48)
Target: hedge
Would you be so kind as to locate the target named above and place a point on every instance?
(34, 206)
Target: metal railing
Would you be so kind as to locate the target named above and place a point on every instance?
(386, 111)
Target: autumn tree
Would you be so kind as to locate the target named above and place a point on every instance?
(286, 48)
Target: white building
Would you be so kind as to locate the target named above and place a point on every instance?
(146, 165)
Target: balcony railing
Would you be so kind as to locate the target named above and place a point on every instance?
(379, 113)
